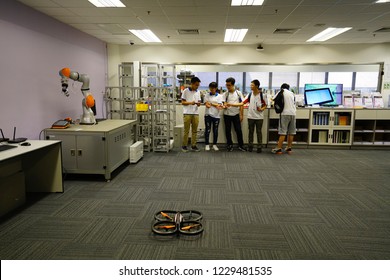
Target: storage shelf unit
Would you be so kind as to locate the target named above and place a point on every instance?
(331, 127)
(372, 128)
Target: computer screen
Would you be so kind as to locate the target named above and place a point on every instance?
(335, 89)
(318, 96)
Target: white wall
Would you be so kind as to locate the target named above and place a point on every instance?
(33, 48)
(272, 54)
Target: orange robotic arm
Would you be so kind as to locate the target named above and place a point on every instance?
(88, 101)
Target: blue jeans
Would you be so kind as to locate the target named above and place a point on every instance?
(211, 122)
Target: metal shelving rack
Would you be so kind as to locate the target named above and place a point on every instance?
(157, 95)
(164, 108)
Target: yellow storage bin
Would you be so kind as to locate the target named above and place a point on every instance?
(140, 107)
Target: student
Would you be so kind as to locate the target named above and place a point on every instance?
(190, 99)
(256, 108)
(287, 123)
(234, 114)
(214, 103)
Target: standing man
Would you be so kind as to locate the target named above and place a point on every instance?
(214, 103)
(234, 114)
(190, 99)
(256, 108)
(287, 122)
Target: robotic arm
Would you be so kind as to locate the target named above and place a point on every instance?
(88, 102)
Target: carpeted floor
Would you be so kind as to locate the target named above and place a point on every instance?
(314, 204)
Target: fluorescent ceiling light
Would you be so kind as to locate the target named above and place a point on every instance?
(235, 35)
(382, 1)
(107, 3)
(328, 33)
(146, 35)
(247, 2)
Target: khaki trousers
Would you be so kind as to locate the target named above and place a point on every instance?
(193, 121)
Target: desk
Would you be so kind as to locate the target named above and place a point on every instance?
(35, 168)
(95, 149)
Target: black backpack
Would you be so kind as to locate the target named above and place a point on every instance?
(279, 102)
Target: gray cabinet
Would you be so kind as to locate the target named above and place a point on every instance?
(97, 149)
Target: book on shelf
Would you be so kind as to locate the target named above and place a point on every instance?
(322, 136)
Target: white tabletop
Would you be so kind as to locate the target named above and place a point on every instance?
(20, 150)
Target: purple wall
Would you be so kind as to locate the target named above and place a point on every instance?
(33, 48)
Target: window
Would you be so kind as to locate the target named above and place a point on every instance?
(263, 78)
(206, 78)
(279, 78)
(310, 78)
(238, 76)
(366, 82)
(344, 78)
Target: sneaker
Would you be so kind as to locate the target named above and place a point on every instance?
(230, 148)
(215, 148)
(242, 148)
(258, 150)
(184, 149)
(207, 147)
(250, 149)
(195, 149)
(277, 151)
(288, 150)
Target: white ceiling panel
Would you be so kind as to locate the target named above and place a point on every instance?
(164, 17)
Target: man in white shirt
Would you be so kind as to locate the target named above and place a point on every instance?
(234, 114)
(214, 103)
(190, 99)
(256, 108)
(287, 123)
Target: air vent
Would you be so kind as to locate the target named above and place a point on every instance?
(384, 29)
(285, 30)
(188, 31)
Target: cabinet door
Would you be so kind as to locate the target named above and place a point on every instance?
(69, 155)
(91, 152)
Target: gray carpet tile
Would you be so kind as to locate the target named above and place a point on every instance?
(88, 251)
(204, 254)
(310, 186)
(148, 252)
(261, 254)
(31, 249)
(55, 228)
(259, 237)
(313, 204)
(208, 197)
(296, 215)
(80, 208)
(339, 217)
(105, 231)
(252, 214)
(311, 239)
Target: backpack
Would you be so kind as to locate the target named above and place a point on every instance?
(261, 97)
(239, 97)
(279, 103)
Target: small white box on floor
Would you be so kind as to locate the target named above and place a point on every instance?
(136, 151)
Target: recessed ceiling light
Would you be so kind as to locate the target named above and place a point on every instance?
(382, 1)
(328, 33)
(107, 3)
(235, 35)
(247, 2)
(146, 35)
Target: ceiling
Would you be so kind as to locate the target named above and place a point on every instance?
(298, 20)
